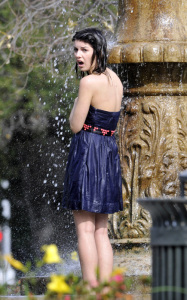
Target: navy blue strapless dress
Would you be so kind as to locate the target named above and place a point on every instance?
(93, 175)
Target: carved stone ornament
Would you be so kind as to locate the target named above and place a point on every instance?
(152, 133)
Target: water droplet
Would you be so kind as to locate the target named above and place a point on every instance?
(5, 184)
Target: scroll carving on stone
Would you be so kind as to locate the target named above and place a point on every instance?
(152, 143)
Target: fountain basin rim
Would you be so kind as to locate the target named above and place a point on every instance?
(165, 199)
(159, 89)
(157, 51)
(132, 241)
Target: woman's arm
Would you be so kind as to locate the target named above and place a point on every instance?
(81, 105)
(72, 111)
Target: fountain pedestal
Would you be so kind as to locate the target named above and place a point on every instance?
(150, 57)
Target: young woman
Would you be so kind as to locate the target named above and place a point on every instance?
(92, 186)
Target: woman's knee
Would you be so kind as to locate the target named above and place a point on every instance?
(85, 229)
(101, 225)
(101, 232)
(84, 222)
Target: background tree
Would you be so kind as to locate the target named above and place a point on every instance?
(35, 36)
(41, 31)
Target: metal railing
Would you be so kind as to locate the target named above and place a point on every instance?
(169, 245)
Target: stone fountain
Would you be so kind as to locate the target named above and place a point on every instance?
(150, 56)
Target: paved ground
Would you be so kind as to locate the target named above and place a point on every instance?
(137, 261)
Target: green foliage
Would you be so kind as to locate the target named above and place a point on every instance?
(20, 90)
(12, 79)
(53, 94)
(36, 72)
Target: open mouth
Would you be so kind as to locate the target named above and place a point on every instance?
(80, 63)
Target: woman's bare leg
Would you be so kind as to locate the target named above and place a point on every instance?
(85, 227)
(104, 249)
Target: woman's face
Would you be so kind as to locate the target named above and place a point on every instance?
(83, 54)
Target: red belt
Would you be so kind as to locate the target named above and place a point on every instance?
(98, 130)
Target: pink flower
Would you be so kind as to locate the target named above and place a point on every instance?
(117, 278)
(67, 297)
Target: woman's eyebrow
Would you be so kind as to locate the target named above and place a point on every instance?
(84, 47)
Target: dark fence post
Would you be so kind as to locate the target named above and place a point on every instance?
(183, 179)
(169, 246)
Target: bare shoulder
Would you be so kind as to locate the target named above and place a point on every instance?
(113, 75)
(115, 79)
(87, 84)
(97, 81)
(88, 80)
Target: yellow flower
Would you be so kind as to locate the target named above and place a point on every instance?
(118, 271)
(15, 263)
(74, 256)
(58, 285)
(51, 255)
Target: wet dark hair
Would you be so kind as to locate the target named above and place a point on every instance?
(97, 41)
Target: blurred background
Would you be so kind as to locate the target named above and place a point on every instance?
(38, 85)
